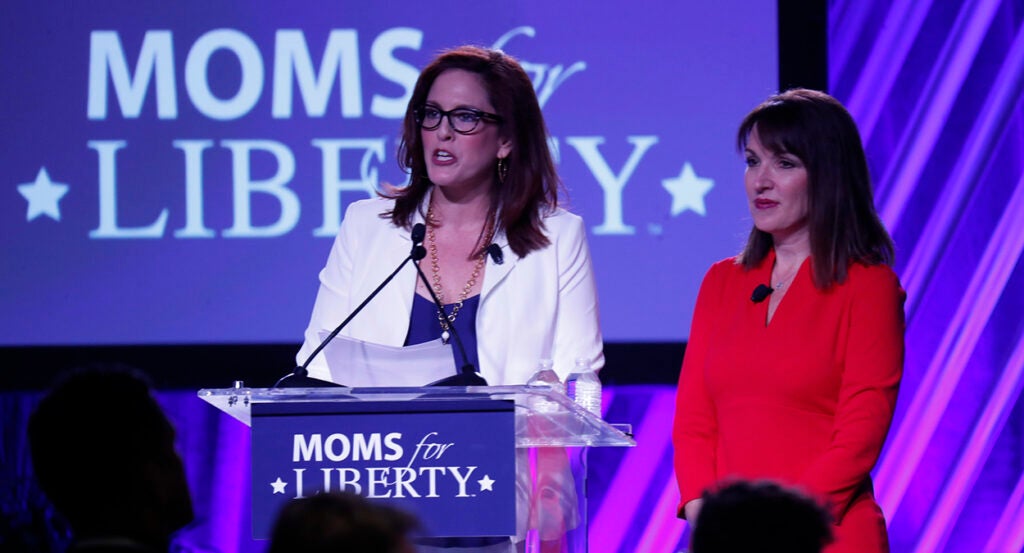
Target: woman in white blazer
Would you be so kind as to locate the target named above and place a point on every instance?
(512, 269)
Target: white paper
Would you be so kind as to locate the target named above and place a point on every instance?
(359, 364)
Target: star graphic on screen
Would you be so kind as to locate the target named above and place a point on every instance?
(486, 483)
(279, 485)
(43, 196)
(688, 191)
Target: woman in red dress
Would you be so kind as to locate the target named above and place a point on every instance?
(796, 347)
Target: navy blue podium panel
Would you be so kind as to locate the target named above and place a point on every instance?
(450, 463)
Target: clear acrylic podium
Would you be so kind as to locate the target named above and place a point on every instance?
(551, 436)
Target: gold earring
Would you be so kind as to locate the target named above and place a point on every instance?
(502, 170)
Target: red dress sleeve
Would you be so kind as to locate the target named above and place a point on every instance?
(873, 366)
(695, 428)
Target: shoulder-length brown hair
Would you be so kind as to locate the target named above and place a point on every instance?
(531, 186)
(843, 225)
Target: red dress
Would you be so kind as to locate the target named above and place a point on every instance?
(805, 400)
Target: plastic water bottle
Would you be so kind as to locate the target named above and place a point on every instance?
(546, 376)
(586, 387)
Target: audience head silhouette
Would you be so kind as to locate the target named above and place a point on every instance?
(341, 522)
(744, 517)
(103, 452)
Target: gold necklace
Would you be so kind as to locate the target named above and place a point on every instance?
(446, 320)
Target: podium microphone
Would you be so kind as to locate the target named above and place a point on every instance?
(466, 375)
(300, 376)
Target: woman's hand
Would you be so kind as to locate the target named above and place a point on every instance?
(691, 510)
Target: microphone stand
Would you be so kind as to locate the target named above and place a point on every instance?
(467, 375)
(300, 376)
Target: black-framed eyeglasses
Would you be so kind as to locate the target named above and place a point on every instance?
(461, 120)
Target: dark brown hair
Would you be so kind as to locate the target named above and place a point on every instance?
(843, 225)
(531, 187)
(760, 516)
(341, 521)
(103, 452)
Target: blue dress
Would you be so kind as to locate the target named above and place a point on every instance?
(424, 327)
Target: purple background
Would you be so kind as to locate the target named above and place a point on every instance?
(936, 89)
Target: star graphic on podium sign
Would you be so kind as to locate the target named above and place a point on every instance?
(279, 485)
(486, 483)
(43, 196)
(688, 191)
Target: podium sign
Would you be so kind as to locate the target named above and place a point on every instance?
(451, 463)
(468, 461)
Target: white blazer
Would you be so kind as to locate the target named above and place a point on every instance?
(542, 306)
